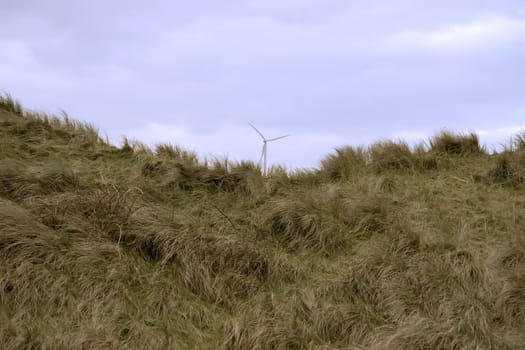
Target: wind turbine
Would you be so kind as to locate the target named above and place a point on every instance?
(264, 156)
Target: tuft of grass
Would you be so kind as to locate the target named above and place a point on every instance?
(449, 143)
(176, 153)
(504, 171)
(8, 104)
(325, 221)
(346, 162)
(518, 141)
(306, 221)
(385, 155)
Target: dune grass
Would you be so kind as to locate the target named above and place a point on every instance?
(382, 247)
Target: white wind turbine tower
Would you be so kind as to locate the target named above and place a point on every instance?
(264, 156)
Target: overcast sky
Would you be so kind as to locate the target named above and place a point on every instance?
(329, 72)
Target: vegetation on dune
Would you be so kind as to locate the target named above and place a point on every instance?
(383, 247)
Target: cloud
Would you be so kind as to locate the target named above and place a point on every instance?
(496, 139)
(485, 33)
(16, 53)
(327, 71)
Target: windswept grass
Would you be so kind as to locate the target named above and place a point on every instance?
(383, 247)
(449, 143)
(346, 161)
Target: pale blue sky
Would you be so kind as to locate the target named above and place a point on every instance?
(328, 72)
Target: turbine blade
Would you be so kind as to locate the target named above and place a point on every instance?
(260, 133)
(277, 138)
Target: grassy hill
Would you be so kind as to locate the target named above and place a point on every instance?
(383, 247)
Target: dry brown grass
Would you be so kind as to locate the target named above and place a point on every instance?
(450, 143)
(384, 247)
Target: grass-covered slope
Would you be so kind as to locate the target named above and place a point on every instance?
(384, 247)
